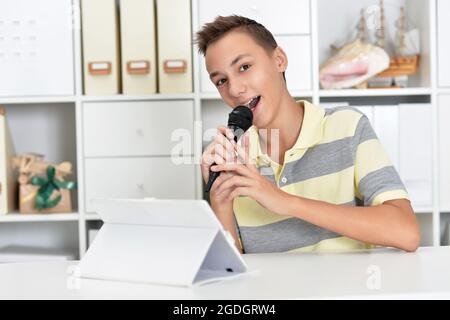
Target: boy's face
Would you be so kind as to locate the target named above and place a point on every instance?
(243, 71)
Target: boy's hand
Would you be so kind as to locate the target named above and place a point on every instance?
(220, 151)
(247, 181)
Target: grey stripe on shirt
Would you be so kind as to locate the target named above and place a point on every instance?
(378, 181)
(283, 236)
(289, 234)
(328, 158)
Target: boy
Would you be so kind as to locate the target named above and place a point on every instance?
(308, 195)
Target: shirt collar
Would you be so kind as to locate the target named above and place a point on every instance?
(310, 134)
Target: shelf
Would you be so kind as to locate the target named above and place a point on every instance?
(91, 216)
(121, 97)
(35, 100)
(210, 96)
(21, 217)
(375, 92)
(301, 94)
(347, 93)
(443, 90)
(423, 210)
(216, 96)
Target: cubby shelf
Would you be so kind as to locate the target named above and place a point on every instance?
(375, 92)
(32, 100)
(216, 96)
(152, 97)
(91, 216)
(21, 217)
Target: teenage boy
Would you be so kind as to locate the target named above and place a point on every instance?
(329, 184)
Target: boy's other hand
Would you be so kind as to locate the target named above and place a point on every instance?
(219, 151)
(248, 181)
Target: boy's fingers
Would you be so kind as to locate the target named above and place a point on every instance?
(243, 151)
(226, 132)
(236, 181)
(226, 143)
(233, 167)
(208, 159)
(225, 154)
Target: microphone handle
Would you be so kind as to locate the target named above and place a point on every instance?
(212, 177)
(214, 174)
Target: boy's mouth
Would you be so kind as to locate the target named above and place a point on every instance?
(253, 102)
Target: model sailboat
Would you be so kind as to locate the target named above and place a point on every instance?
(404, 59)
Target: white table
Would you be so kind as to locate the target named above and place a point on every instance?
(385, 274)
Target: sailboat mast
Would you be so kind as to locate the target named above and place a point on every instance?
(380, 32)
(401, 32)
(362, 27)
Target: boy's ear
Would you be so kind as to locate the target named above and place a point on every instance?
(280, 59)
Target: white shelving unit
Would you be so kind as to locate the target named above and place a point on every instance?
(33, 100)
(18, 217)
(209, 109)
(375, 92)
(153, 97)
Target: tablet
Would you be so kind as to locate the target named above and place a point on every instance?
(173, 242)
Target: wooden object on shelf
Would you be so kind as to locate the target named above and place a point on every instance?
(400, 66)
(402, 62)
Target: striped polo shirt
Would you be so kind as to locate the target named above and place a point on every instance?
(338, 159)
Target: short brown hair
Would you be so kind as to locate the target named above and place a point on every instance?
(213, 31)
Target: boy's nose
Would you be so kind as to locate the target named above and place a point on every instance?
(237, 88)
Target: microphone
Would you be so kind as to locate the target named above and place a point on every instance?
(239, 121)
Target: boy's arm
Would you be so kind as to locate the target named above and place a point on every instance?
(391, 223)
(222, 206)
(219, 151)
(225, 215)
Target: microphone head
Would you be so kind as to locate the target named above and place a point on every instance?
(240, 120)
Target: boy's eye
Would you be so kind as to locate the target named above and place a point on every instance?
(244, 67)
(220, 82)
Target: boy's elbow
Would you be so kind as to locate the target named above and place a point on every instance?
(408, 238)
(412, 240)
(412, 246)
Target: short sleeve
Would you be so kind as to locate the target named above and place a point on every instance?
(376, 179)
